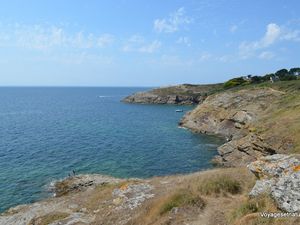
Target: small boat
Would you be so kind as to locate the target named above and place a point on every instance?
(178, 110)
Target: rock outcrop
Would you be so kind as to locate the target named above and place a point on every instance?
(150, 98)
(185, 94)
(80, 183)
(279, 176)
(234, 115)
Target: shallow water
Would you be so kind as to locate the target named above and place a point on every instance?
(47, 132)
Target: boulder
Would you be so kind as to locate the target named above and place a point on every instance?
(279, 176)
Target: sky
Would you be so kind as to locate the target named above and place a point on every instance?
(144, 43)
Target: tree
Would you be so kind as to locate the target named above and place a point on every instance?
(294, 71)
(282, 73)
(256, 79)
(268, 76)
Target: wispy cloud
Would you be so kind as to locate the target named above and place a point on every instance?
(233, 28)
(274, 33)
(137, 43)
(184, 40)
(173, 22)
(45, 37)
(266, 55)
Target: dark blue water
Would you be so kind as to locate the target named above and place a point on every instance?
(47, 132)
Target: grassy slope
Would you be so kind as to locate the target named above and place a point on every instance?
(188, 89)
(283, 118)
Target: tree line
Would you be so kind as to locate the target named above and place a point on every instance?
(280, 75)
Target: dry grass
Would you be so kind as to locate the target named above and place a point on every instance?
(192, 197)
(181, 198)
(220, 184)
(96, 198)
(249, 212)
(48, 219)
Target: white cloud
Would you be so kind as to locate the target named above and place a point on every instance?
(274, 33)
(45, 37)
(205, 56)
(266, 55)
(137, 43)
(173, 22)
(184, 40)
(150, 48)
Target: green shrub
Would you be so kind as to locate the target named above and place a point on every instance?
(234, 82)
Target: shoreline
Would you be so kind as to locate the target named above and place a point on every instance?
(240, 113)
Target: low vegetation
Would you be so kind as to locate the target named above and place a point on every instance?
(188, 90)
(182, 198)
(250, 212)
(220, 185)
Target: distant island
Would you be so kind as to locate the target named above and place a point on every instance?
(258, 166)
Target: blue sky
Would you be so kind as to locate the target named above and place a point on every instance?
(144, 43)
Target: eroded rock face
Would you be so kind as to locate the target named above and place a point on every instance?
(240, 152)
(150, 98)
(279, 176)
(232, 114)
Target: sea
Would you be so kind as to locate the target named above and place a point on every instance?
(47, 132)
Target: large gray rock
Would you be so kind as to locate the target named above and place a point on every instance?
(274, 166)
(279, 176)
(261, 186)
(286, 192)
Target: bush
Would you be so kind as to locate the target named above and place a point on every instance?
(234, 82)
(220, 185)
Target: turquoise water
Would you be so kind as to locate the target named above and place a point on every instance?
(47, 132)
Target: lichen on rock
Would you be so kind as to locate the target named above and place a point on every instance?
(278, 176)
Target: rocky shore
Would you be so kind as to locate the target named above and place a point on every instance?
(262, 126)
(234, 115)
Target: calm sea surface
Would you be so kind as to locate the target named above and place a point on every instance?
(47, 132)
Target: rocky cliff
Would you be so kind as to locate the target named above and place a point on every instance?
(256, 121)
(185, 94)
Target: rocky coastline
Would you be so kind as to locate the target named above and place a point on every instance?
(260, 170)
(234, 115)
(185, 94)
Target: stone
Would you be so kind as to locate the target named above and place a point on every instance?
(132, 195)
(261, 187)
(273, 166)
(279, 176)
(286, 193)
